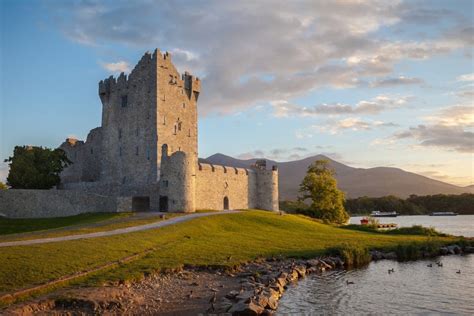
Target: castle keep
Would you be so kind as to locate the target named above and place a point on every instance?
(146, 149)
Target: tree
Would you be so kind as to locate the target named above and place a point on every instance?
(36, 167)
(3, 186)
(320, 186)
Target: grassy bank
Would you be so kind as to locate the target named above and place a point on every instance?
(223, 240)
(22, 225)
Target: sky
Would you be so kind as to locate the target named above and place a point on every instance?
(367, 83)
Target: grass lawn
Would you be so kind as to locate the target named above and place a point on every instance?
(112, 223)
(202, 241)
(22, 225)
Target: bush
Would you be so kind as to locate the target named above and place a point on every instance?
(3, 186)
(353, 255)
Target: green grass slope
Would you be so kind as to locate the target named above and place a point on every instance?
(198, 242)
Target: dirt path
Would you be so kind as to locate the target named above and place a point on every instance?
(119, 231)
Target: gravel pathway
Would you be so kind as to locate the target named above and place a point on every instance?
(119, 231)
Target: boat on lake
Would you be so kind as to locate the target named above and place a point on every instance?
(443, 214)
(383, 214)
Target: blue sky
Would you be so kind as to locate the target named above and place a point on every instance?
(367, 83)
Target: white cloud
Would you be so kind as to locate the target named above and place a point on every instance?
(376, 105)
(118, 67)
(466, 77)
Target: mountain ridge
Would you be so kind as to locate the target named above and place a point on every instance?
(355, 182)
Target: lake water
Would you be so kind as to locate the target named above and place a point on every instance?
(461, 225)
(413, 289)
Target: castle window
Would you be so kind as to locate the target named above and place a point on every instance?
(120, 133)
(189, 133)
(175, 129)
(124, 179)
(148, 153)
(136, 151)
(92, 151)
(120, 151)
(164, 120)
(124, 101)
(179, 126)
(184, 105)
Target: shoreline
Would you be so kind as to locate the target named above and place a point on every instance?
(253, 288)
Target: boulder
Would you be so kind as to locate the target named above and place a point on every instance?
(301, 270)
(469, 249)
(246, 309)
(390, 255)
(272, 303)
(262, 300)
(312, 263)
(292, 276)
(443, 251)
(454, 249)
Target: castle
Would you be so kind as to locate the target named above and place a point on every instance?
(146, 148)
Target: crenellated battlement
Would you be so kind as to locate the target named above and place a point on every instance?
(219, 169)
(149, 63)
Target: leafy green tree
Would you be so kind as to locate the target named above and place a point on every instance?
(3, 186)
(34, 167)
(320, 187)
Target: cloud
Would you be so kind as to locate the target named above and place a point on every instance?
(466, 77)
(118, 67)
(334, 127)
(447, 137)
(398, 81)
(294, 153)
(376, 105)
(340, 44)
(456, 115)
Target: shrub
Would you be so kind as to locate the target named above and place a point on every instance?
(353, 255)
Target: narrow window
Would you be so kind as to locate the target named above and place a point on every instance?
(179, 126)
(124, 101)
(120, 133)
(175, 129)
(120, 151)
(164, 119)
(92, 151)
(136, 151)
(189, 133)
(184, 105)
(124, 179)
(148, 153)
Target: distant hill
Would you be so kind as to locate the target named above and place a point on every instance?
(356, 182)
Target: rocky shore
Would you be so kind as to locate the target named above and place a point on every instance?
(249, 289)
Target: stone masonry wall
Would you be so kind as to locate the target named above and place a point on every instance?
(57, 203)
(214, 183)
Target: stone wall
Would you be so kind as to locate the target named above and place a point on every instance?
(58, 203)
(215, 183)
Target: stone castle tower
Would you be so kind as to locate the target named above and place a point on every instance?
(147, 148)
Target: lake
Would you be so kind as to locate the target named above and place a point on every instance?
(413, 289)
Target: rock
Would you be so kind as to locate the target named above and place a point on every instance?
(232, 294)
(245, 309)
(312, 263)
(277, 287)
(301, 270)
(454, 249)
(443, 251)
(272, 302)
(469, 249)
(324, 266)
(223, 306)
(261, 300)
(268, 312)
(376, 255)
(292, 276)
(245, 296)
(390, 255)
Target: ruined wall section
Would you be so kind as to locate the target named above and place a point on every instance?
(129, 125)
(177, 109)
(214, 183)
(86, 158)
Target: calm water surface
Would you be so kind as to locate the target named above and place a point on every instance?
(461, 225)
(414, 288)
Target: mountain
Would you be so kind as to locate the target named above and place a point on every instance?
(373, 182)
